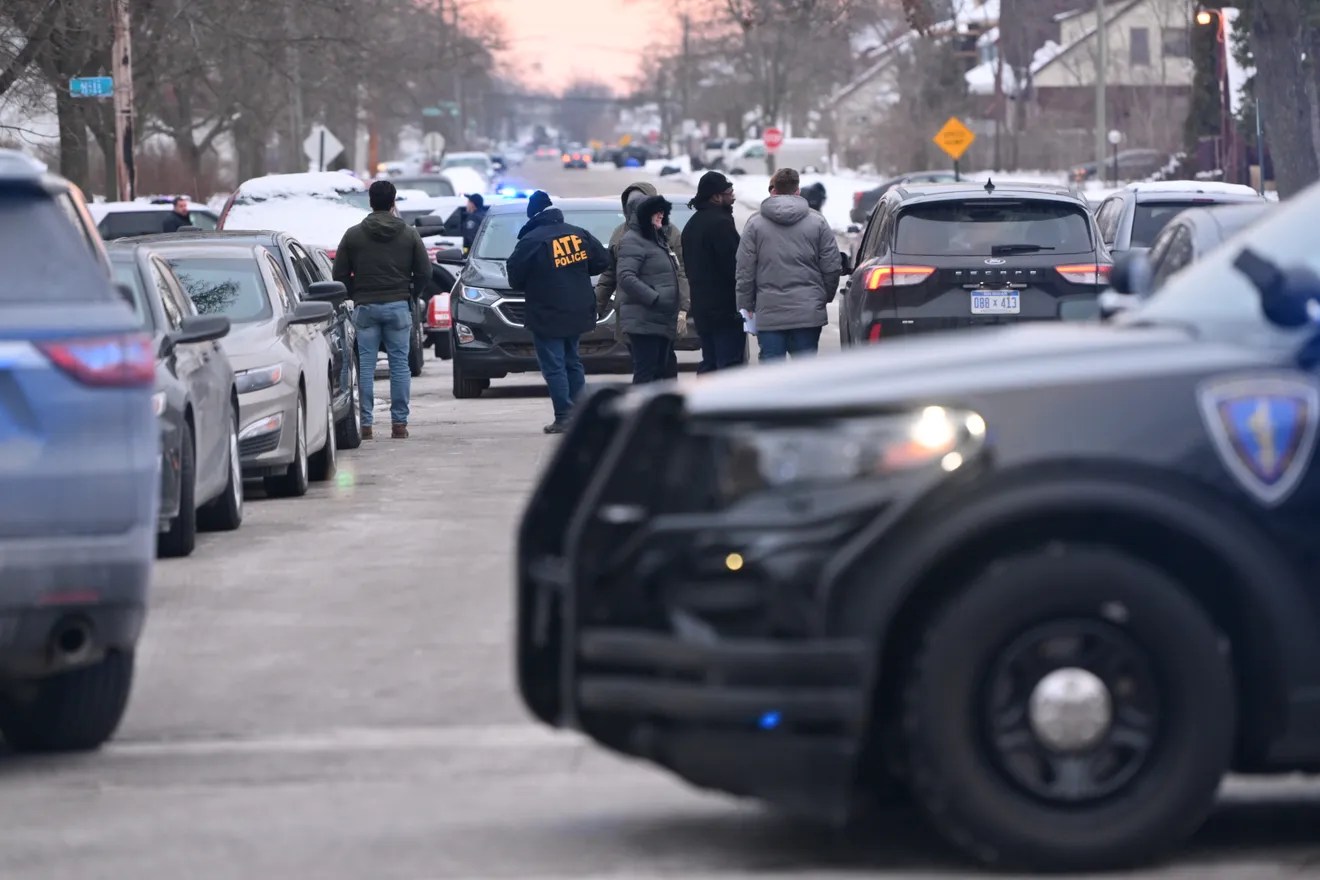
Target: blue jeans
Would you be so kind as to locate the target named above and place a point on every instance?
(776, 345)
(722, 348)
(562, 369)
(392, 322)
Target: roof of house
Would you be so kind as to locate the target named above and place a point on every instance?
(1119, 12)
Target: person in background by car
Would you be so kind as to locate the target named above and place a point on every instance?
(651, 311)
(552, 264)
(815, 196)
(788, 270)
(710, 244)
(476, 212)
(384, 264)
(607, 284)
(179, 217)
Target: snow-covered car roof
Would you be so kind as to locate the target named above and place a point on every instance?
(99, 210)
(472, 154)
(466, 180)
(308, 183)
(411, 195)
(1206, 187)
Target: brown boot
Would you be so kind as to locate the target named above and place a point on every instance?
(400, 432)
(366, 432)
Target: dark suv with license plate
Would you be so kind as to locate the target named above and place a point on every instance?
(947, 256)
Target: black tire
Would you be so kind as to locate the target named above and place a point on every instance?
(225, 513)
(467, 387)
(293, 482)
(73, 711)
(416, 352)
(348, 431)
(444, 347)
(182, 537)
(323, 463)
(1089, 598)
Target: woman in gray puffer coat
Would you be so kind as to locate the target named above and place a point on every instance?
(648, 279)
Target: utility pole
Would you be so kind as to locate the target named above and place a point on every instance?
(296, 158)
(458, 82)
(685, 83)
(1101, 73)
(122, 71)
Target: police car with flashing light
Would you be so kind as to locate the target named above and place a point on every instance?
(1050, 582)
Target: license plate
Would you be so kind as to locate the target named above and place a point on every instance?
(996, 303)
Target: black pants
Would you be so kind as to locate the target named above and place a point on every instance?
(722, 348)
(651, 357)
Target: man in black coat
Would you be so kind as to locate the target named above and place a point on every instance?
(552, 264)
(710, 249)
(180, 217)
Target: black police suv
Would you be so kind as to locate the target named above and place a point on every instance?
(966, 254)
(1051, 582)
(489, 339)
(304, 267)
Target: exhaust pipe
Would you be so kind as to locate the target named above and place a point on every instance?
(71, 641)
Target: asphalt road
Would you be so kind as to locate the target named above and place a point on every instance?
(328, 694)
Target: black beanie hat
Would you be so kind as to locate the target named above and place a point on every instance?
(477, 200)
(538, 203)
(712, 183)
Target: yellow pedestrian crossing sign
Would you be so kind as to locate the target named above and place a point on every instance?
(954, 138)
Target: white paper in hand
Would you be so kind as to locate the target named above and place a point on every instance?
(749, 322)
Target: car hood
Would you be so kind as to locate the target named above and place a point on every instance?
(958, 367)
(251, 344)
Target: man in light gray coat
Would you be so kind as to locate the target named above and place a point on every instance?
(788, 269)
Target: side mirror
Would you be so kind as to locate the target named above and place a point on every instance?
(1112, 302)
(312, 313)
(127, 293)
(854, 229)
(429, 220)
(1289, 297)
(333, 292)
(454, 225)
(196, 328)
(451, 257)
(847, 261)
(1131, 274)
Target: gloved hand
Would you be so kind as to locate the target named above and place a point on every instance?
(682, 323)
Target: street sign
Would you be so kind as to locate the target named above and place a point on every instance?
(774, 139)
(954, 138)
(92, 86)
(431, 111)
(434, 143)
(625, 140)
(322, 147)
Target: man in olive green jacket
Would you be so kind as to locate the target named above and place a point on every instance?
(608, 282)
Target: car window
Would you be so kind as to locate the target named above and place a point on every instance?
(125, 224)
(1151, 217)
(223, 285)
(125, 272)
(175, 290)
(1177, 254)
(173, 314)
(499, 233)
(70, 208)
(67, 271)
(302, 267)
(282, 291)
(1107, 219)
(975, 227)
(755, 153)
(202, 219)
(432, 186)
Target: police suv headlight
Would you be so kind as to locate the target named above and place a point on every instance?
(483, 296)
(758, 456)
(258, 378)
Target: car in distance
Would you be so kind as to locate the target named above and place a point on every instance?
(79, 479)
(281, 357)
(306, 268)
(864, 200)
(115, 220)
(576, 157)
(488, 337)
(316, 207)
(947, 256)
(1051, 582)
(1132, 217)
(434, 185)
(195, 402)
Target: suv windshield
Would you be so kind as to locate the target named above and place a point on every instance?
(974, 228)
(1150, 218)
(65, 271)
(432, 186)
(481, 163)
(499, 233)
(230, 286)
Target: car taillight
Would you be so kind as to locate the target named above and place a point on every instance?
(107, 361)
(1086, 273)
(897, 276)
(437, 312)
(566, 158)
(330, 252)
(857, 199)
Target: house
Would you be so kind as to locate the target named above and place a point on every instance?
(1148, 73)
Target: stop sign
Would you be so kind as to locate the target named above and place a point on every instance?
(773, 137)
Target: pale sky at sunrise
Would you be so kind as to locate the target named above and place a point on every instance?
(600, 39)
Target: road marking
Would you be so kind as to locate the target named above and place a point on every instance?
(363, 739)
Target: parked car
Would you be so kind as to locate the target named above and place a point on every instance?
(576, 157)
(195, 402)
(116, 220)
(1135, 164)
(316, 208)
(281, 356)
(864, 200)
(808, 155)
(434, 185)
(939, 257)
(1131, 218)
(488, 338)
(304, 267)
(79, 478)
(478, 162)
